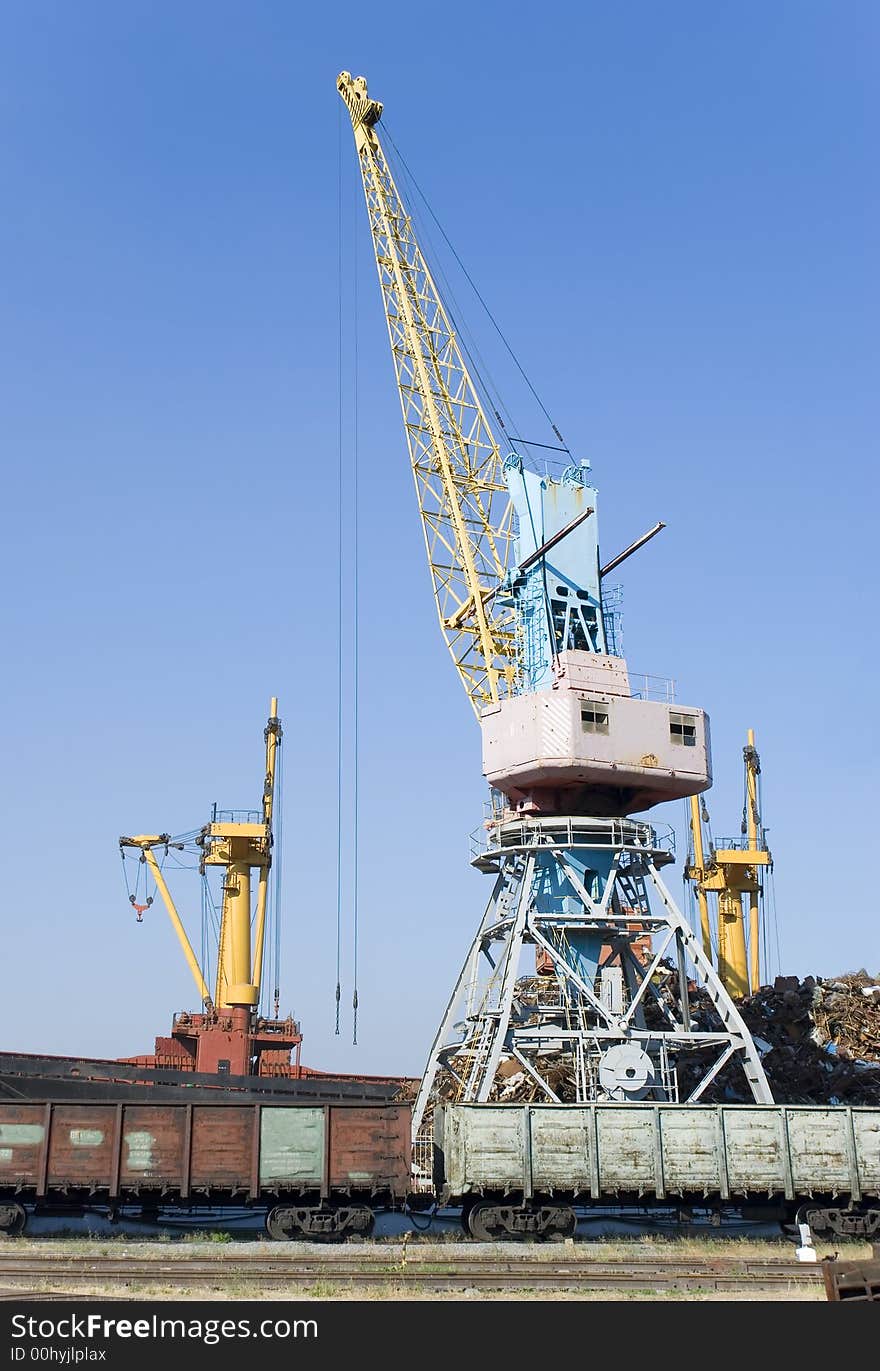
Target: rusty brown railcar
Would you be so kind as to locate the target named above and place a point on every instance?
(318, 1170)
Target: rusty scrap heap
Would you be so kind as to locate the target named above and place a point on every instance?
(823, 1036)
(819, 1041)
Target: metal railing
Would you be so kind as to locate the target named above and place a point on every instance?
(236, 816)
(423, 1160)
(499, 834)
(644, 687)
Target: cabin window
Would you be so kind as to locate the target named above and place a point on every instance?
(683, 729)
(594, 716)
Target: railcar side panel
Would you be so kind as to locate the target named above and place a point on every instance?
(866, 1130)
(627, 1149)
(222, 1147)
(755, 1147)
(369, 1148)
(822, 1144)
(688, 1145)
(153, 1143)
(22, 1135)
(561, 1150)
(484, 1145)
(81, 1146)
(104, 1151)
(292, 1144)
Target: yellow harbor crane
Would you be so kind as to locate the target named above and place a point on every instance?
(731, 870)
(239, 842)
(240, 846)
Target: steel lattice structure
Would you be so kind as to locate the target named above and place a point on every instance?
(561, 883)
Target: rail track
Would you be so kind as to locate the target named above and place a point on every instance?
(428, 1272)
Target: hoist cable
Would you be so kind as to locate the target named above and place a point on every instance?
(355, 664)
(477, 363)
(133, 894)
(744, 828)
(474, 288)
(339, 553)
(278, 860)
(207, 911)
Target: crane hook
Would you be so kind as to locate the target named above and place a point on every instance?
(140, 909)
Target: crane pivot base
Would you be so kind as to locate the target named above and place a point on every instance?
(603, 1012)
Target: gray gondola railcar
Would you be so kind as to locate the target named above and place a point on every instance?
(520, 1168)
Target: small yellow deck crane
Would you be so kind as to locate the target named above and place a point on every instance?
(228, 1035)
(731, 870)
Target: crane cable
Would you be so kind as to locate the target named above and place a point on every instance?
(339, 532)
(485, 381)
(354, 666)
(478, 365)
(210, 928)
(474, 288)
(278, 852)
(139, 909)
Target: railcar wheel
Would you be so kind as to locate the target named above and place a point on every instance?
(857, 1221)
(359, 1222)
(13, 1218)
(488, 1222)
(484, 1223)
(288, 1223)
(563, 1224)
(280, 1224)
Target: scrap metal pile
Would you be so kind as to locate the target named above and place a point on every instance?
(823, 1036)
(819, 1041)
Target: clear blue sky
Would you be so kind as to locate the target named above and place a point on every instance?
(673, 211)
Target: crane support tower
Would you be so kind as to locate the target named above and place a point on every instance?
(572, 747)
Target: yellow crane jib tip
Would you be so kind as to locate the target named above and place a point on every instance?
(353, 89)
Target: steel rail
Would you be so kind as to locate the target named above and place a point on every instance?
(479, 1272)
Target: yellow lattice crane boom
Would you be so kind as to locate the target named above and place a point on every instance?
(456, 462)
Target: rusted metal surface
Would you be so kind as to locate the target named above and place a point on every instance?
(859, 1281)
(22, 1133)
(152, 1146)
(368, 1147)
(222, 1140)
(823, 1038)
(80, 1146)
(107, 1151)
(27, 1076)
